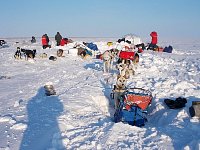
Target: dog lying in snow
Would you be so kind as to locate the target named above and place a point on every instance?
(43, 55)
(60, 53)
(2, 42)
(82, 51)
(108, 59)
(119, 88)
(53, 58)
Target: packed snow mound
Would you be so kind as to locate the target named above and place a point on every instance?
(133, 38)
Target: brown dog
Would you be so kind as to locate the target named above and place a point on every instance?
(60, 53)
(136, 58)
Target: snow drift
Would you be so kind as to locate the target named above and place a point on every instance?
(80, 115)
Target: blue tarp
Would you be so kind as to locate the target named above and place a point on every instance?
(92, 46)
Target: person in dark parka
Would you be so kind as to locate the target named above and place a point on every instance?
(33, 40)
(58, 38)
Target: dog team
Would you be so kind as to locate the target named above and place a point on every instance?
(126, 63)
(31, 54)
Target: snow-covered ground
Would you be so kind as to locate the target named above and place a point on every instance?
(80, 116)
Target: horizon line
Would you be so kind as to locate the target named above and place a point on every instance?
(69, 37)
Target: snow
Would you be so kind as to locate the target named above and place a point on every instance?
(80, 115)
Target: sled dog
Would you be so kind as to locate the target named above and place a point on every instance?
(108, 59)
(18, 54)
(28, 53)
(119, 88)
(43, 55)
(126, 68)
(53, 58)
(60, 53)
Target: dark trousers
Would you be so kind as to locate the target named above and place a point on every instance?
(153, 47)
(58, 43)
(45, 46)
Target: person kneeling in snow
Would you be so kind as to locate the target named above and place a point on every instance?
(45, 41)
(154, 41)
(64, 41)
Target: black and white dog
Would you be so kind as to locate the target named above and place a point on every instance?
(24, 52)
(18, 54)
(53, 58)
(2, 42)
(28, 53)
(126, 68)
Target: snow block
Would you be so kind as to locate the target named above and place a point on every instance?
(73, 51)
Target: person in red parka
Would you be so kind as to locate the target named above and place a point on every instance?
(154, 41)
(154, 37)
(45, 41)
(64, 41)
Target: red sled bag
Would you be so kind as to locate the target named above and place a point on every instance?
(127, 55)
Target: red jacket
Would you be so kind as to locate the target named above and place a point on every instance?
(44, 40)
(63, 42)
(154, 36)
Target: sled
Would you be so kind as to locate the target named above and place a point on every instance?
(133, 107)
(127, 55)
(167, 49)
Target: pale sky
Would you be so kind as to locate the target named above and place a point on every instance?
(100, 18)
